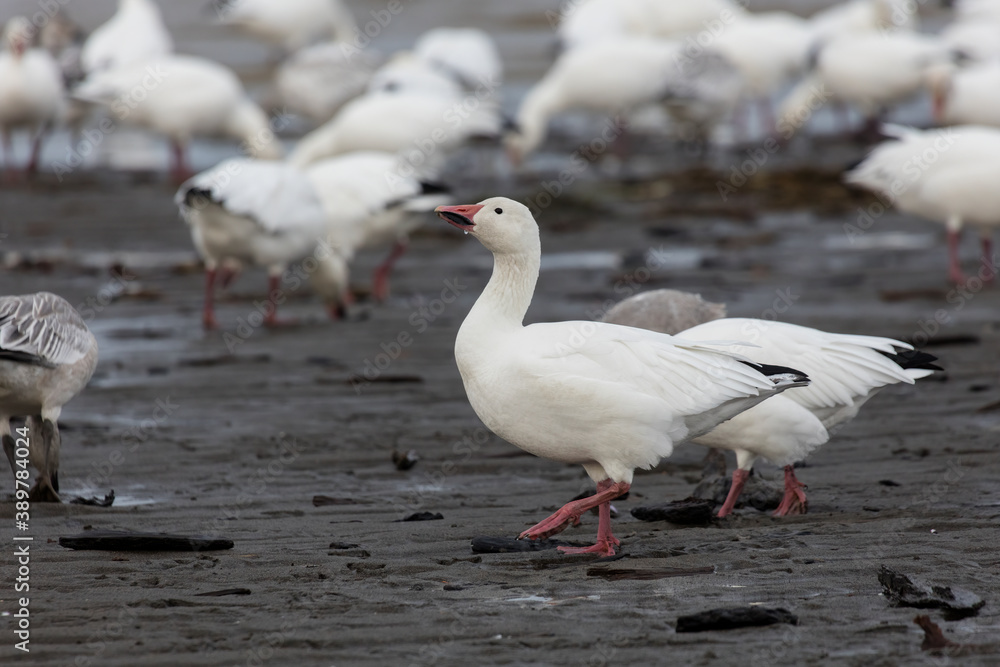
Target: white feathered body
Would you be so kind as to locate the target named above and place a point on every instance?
(182, 97)
(423, 125)
(948, 175)
(292, 24)
(134, 34)
(44, 327)
(31, 90)
(252, 212)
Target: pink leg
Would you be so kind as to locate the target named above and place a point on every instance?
(271, 319)
(739, 479)
(606, 492)
(955, 266)
(991, 269)
(227, 276)
(338, 310)
(606, 541)
(180, 171)
(380, 281)
(36, 151)
(208, 313)
(794, 501)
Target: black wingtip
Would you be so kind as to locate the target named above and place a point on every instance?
(431, 188)
(197, 197)
(914, 359)
(771, 371)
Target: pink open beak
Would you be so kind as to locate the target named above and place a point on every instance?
(459, 216)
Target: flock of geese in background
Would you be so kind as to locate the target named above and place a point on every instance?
(384, 128)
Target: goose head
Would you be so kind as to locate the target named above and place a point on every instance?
(18, 35)
(504, 226)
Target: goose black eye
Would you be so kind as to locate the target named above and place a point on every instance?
(498, 211)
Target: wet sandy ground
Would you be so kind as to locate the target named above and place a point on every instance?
(233, 433)
(196, 438)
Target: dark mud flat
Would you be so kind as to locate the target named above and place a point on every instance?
(200, 439)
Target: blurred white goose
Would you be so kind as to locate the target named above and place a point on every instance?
(977, 40)
(47, 355)
(845, 371)
(468, 55)
(621, 75)
(31, 90)
(369, 202)
(423, 127)
(272, 214)
(966, 96)
(770, 50)
(182, 97)
(316, 81)
(585, 22)
(861, 16)
(609, 398)
(949, 175)
(135, 33)
(870, 71)
(291, 24)
(664, 310)
(406, 72)
(977, 10)
(258, 213)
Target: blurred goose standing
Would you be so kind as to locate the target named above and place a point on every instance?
(608, 397)
(966, 96)
(31, 90)
(770, 50)
(291, 24)
(870, 71)
(586, 22)
(135, 33)
(259, 213)
(616, 75)
(47, 355)
(948, 175)
(861, 16)
(316, 81)
(369, 202)
(423, 127)
(182, 97)
(273, 214)
(845, 371)
(468, 55)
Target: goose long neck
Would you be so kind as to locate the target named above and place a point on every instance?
(508, 294)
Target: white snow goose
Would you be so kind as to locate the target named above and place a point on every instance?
(424, 128)
(966, 96)
(272, 214)
(948, 175)
(608, 397)
(258, 213)
(291, 24)
(586, 22)
(621, 75)
(844, 371)
(370, 203)
(316, 81)
(135, 33)
(47, 355)
(870, 71)
(31, 90)
(182, 97)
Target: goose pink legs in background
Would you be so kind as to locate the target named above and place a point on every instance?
(793, 502)
(571, 511)
(380, 281)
